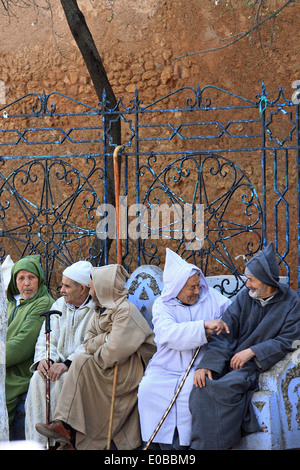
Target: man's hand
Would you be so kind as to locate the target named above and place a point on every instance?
(199, 377)
(54, 372)
(217, 325)
(43, 368)
(239, 359)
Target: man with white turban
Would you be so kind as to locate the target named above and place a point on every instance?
(184, 317)
(67, 335)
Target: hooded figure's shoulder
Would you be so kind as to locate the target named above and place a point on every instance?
(128, 312)
(290, 295)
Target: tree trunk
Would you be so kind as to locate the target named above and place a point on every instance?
(94, 64)
(4, 433)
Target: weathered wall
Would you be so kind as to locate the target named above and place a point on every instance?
(139, 48)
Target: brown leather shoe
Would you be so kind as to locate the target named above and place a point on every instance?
(54, 430)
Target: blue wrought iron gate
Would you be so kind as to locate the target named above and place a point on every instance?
(235, 158)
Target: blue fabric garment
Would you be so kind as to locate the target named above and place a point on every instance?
(270, 331)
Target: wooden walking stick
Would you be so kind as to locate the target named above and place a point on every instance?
(112, 406)
(173, 399)
(119, 261)
(47, 333)
(117, 202)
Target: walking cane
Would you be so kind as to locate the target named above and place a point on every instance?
(47, 333)
(119, 261)
(173, 399)
(117, 202)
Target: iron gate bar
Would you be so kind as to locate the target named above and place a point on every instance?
(149, 151)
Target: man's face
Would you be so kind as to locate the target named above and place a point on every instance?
(73, 292)
(189, 294)
(257, 289)
(27, 284)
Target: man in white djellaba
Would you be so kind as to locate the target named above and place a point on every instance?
(66, 338)
(186, 314)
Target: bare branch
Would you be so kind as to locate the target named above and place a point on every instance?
(237, 37)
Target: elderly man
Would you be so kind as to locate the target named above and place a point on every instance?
(66, 339)
(120, 335)
(264, 321)
(27, 298)
(184, 317)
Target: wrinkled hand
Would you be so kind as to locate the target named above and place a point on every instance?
(217, 325)
(57, 370)
(43, 368)
(54, 372)
(240, 358)
(199, 377)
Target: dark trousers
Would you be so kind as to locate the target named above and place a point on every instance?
(222, 411)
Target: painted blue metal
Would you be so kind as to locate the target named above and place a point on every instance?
(237, 156)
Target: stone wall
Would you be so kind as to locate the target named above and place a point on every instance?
(140, 49)
(140, 46)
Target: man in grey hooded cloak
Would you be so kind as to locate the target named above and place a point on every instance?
(264, 321)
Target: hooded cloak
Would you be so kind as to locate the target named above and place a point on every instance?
(6, 270)
(222, 410)
(79, 272)
(179, 330)
(264, 266)
(118, 334)
(24, 324)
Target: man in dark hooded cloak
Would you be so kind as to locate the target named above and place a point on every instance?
(264, 322)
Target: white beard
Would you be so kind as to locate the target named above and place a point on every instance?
(253, 294)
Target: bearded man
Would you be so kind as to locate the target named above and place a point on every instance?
(67, 335)
(264, 321)
(184, 317)
(27, 298)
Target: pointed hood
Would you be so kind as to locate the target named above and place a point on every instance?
(264, 266)
(176, 273)
(7, 266)
(109, 284)
(31, 264)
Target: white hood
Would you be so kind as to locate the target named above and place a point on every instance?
(176, 273)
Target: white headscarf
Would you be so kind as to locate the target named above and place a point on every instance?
(176, 273)
(79, 272)
(6, 270)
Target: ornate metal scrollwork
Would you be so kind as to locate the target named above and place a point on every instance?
(232, 211)
(166, 150)
(39, 206)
